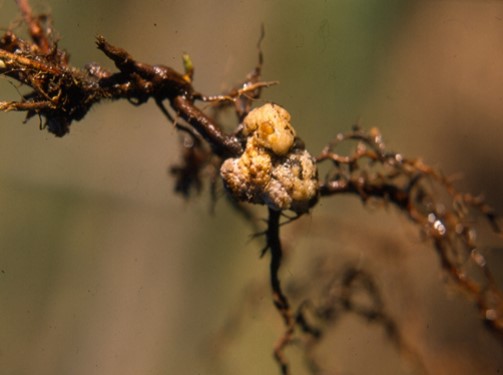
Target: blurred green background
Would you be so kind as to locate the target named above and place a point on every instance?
(105, 271)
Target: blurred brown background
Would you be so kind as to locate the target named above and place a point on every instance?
(106, 271)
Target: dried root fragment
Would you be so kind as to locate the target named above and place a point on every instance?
(273, 170)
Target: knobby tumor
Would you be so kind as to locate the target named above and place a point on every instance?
(273, 170)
